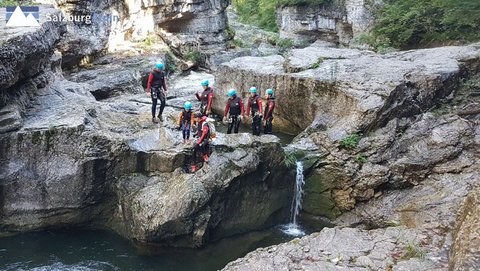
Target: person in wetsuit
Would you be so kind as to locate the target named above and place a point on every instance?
(234, 110)
(255, 104)
(269, 106)
(157, 82)
(203, 137)
(205, 98)
(186, 121)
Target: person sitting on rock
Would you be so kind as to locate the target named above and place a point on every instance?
(269, 106)
(255, 103)
(205, 98)
(203, 137)
(186, 121)
(157, 82)
(234, 110)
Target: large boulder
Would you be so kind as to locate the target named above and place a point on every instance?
(243, 187)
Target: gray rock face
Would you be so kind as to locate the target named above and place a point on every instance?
(347, 86)
(465, 250)
(26, 54)
(337, 23)
(187, 209)
(346, 249)
(76, 161)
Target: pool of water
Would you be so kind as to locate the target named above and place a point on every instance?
(87, 250)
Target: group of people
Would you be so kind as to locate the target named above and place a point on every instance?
(234, 111)
(233, 115)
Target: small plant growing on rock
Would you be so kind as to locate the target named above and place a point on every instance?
(194, 56)
(350, 141)
(361, 159)
(413, 251)
(290, 160)
(170, 66)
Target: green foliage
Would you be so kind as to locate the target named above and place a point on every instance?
(194, 56)
(230, 33)
(350, 141)
(285, 43)
(410, 23)
(149, 40)
(290, 160)
(277, 41)
(361, 159)
(301, 2)
(10, 3)
(170, 65)
(413, 251)
(317, 64)
(237, 43)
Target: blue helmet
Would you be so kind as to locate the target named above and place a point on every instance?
(253, 90)
(187, 105)
(269, 91)
(205, 83)
(232, 92)
(159, 66)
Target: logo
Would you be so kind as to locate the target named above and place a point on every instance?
(22, 16)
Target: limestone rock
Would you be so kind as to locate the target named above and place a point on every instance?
(465, 252)
(338, 22)
(346, 248)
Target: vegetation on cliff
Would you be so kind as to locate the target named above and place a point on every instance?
(413, 23)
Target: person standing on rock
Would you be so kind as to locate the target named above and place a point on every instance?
(269, 106)
(203, 138)
(157, 82)
(234, 110)
(205, 98)
(255, 103)
(186, 121)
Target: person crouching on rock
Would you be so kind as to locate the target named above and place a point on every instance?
(203, 137)
(205, 98)
(157, 82)
(255, 103)
(270, 105)
(234, 110)
(186, 121)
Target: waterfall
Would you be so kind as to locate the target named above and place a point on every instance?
(293, 228)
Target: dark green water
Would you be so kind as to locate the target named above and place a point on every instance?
(102, 250)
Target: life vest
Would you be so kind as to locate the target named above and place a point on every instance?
(187, 116)
(235, 106)
(158, 78)
(204, 95)
(254, 103)
(270, 101)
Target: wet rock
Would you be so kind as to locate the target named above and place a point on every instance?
(188, 209)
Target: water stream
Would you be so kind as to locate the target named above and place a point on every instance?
(293, 228)
(88, 250)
